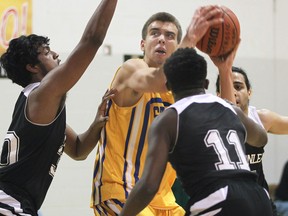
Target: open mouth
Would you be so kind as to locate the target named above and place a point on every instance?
(162, 52)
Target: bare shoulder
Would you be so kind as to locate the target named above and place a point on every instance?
(126, 95)
(132, 65)
(127, 69)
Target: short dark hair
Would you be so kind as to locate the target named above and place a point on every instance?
(185, 70)
(235, 70)
(21, 52)
(163, 17)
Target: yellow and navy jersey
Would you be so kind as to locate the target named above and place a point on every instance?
(122, 151)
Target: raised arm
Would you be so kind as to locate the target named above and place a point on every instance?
(224, 65)
(44, 102)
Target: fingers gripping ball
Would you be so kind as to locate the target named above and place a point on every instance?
(220, 39)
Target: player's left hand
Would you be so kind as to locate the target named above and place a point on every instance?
(101, 116)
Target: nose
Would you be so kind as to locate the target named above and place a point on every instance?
(161, 39)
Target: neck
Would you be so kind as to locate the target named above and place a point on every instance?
(187, 93)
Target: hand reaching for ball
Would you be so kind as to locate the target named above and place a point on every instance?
(221, 39)
(203, 18)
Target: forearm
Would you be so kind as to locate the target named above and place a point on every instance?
(226, 85)
(77, 146)
(188, 41)
(87, 141)
(98, 24)
(138, 199)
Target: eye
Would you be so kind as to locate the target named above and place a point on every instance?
(238, 87)
(155, 32)
(170, 35)
(47, 50)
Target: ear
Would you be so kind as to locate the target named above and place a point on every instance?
(206, 83)
(142, 45)
(249, 93)
(32, 68)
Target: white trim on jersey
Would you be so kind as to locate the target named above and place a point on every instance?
(29, 88)
(13, 203)
(203, 98)
(253, 114)
(209, 201)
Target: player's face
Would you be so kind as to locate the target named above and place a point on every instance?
(160, 42)
(242, 94)
(48, 59)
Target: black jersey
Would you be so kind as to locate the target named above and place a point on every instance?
(30, 153)
(210, 142)
(255, 154)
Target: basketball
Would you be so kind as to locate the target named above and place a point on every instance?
(220, 39)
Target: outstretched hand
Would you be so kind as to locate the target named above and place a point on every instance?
(101, 116)
(203, 18)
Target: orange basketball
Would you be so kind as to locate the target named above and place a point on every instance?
(221, 39)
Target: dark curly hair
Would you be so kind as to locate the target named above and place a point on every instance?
(185, 70)
(21, 52)
(163, 17)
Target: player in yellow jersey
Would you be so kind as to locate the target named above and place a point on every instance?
(142, 95)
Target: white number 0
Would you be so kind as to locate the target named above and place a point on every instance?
(11, 146)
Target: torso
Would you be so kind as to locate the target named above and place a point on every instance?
(121, 155)
(31, 152)
(202, 152)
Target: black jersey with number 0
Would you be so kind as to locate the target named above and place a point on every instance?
(30, 153)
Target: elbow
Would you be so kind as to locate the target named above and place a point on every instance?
(265, 139)
(258, 142)
(77, 157)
